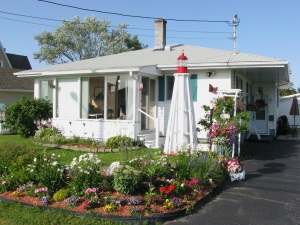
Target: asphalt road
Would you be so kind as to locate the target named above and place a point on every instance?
(270, 194)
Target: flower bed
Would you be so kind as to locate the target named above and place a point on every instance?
(146, 183)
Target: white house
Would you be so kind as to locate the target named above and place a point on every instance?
(285, 104)
(130, 93)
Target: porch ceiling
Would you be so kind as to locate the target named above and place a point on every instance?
(265, 75)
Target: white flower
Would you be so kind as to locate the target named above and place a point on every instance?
(54, 163)
(34, 160)
(31, 171)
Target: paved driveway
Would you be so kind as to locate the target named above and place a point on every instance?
(269, 195)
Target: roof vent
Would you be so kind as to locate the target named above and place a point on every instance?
(168, 48)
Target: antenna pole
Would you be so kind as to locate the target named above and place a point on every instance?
(235, 23)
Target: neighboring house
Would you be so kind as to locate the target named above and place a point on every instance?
(125, 93)
(12, 88)
(285, 104)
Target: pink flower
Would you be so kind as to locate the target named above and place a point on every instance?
(3, 182)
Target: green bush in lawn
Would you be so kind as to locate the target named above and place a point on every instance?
(49, 173)
(119, 141)
(48, 135)
(206, 166)
(23, 116)
(126, 179)
(85, 172)
(151, 163)
(61, 194)
(13, 167)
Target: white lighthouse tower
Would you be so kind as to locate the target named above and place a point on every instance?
(181, 128)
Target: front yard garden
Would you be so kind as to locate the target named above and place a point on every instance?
(146, 183)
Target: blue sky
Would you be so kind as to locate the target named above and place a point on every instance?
(266, 28)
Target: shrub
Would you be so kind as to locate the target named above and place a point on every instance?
(49, 172)
(48, 135)
(23, 116)
(126, 179)
(61, 194)
(85, 172)
(119, 141)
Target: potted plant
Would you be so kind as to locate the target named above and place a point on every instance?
(236, 169)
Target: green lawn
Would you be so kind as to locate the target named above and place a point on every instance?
(66, 156)
(15, 214)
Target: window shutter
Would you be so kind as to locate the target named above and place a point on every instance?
(161, 88)
(193, 84)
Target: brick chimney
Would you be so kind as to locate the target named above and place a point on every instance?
(160, 34)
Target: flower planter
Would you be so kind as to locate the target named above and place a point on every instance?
(238, 176)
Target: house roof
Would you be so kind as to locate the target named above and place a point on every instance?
(290, 96)
(19, 61)
(159, 60)
(12, 83)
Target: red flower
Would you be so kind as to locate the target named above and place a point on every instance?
(172, 187)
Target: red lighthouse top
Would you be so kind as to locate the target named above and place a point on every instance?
(182, 63)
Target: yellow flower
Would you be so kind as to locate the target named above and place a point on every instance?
(108, 208)
(16, 193)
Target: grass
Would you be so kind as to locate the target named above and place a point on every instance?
(14, 214)
(66, 156)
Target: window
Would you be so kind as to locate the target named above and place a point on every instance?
(161, 88)
(45, 90)
(193, 84)
(117, 91)
(92, 94)
(119, 97)
(1, 63)
(169, 80)
(170, 85)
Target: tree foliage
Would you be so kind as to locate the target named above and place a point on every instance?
(23, 116)
(77, 40)
(290, 91)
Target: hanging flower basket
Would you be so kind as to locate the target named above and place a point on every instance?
(257, 105)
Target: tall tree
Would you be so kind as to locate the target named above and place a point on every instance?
(76, 40)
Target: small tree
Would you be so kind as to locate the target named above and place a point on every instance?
(23, 116)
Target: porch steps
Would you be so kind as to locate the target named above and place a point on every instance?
(150, 143)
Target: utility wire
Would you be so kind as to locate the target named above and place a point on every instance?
(134, 16)
(130, 28)
(35, 17)
(22, 21)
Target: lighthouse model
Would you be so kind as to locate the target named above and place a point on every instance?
(181, 130)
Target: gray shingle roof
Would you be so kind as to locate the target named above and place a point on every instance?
(151, 57)
(10, 82)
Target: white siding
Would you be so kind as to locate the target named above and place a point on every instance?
(285, 106)
(220, 79)
(96, 129)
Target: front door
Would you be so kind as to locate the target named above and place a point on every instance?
(148, 103)
(259, 120)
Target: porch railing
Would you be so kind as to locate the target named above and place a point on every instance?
(156, 123)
